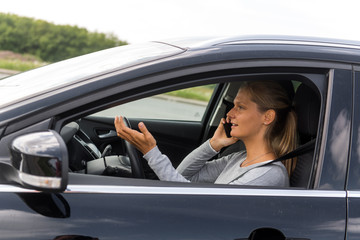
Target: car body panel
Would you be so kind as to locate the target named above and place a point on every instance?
(154, 213)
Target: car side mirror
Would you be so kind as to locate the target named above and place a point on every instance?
(41, 160)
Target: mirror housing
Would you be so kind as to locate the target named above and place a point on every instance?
(41, 160)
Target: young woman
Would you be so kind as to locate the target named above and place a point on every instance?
(262, 117)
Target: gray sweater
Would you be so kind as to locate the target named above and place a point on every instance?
(226, 170)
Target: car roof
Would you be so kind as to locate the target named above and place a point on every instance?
(206, 42)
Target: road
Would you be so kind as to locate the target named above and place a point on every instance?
(159, 107)
(5, 73)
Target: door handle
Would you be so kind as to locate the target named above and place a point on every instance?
(110, 134)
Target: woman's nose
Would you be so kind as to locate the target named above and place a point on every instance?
(229, 115)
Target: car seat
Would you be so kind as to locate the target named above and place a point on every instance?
(307, 108)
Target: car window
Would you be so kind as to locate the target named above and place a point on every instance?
(186, 104)
(176, 139)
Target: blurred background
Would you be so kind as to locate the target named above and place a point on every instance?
(39, 32)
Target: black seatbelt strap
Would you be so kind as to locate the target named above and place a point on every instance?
(298, 151)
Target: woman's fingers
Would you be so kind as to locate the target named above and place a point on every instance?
(220, 131)
(144, 130)
(123, 131)
(142, 140)
(119, 125)
(149, 140)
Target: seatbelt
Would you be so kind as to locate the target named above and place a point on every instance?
(298, 151)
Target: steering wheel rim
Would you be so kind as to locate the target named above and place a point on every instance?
(134, 156)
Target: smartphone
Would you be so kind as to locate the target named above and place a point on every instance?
(227, 127)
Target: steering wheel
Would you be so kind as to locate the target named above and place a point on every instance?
(134, 156)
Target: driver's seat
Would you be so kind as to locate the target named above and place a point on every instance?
(307, 107)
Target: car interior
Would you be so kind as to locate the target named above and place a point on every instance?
(95, 149)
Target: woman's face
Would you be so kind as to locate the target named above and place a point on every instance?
(247, 121)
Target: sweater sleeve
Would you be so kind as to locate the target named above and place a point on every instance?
(162, 166)
(196, 167)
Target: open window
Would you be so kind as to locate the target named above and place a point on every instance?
(180, 124)
(189, 104)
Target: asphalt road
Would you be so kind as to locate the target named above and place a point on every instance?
(159, 108)
(3, 75)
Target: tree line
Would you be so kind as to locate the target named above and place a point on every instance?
(50, 42)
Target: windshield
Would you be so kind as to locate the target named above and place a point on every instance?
(70, 71)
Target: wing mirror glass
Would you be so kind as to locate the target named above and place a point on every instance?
(41, 159)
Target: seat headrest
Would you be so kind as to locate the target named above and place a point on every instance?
(307, 107)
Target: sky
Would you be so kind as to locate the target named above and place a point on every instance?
(138, 21)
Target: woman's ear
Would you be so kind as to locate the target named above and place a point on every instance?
(269, 116)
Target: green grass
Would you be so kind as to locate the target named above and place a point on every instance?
(202, 93)
(19, 65)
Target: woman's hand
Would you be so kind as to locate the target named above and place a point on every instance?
(220, 140)
(142, 140)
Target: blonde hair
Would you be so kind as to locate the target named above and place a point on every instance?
(281, 135)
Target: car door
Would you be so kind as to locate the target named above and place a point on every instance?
(212, 212)
(162, 209)
(101, 207)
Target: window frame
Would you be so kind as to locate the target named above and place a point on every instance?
(221, 78)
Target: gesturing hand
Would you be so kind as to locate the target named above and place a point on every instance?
(142, 140)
